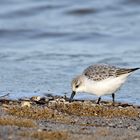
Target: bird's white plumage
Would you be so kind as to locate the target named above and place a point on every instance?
(103, 87)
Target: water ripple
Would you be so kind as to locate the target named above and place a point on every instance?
(81, 11)
(29, 11)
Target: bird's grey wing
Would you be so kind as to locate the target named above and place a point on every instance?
(100, 72)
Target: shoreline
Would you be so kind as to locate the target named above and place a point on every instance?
(53, 117)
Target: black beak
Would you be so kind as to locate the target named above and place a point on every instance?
(72, 95)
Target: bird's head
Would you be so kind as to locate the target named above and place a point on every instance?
(77, 85)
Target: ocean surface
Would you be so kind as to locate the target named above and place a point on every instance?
(45, 43)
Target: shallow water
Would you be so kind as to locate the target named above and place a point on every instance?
(44, 44)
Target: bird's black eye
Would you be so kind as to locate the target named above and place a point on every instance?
(77, 86)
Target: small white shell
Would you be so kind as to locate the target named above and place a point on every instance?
(25, 103)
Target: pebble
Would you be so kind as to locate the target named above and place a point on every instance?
(111, 125)
(52, 103)
(25, 104)
(120, 107)
(5, 105)
(46, 100)
(60, 100)
(39, 130)
(132, 127)
(35, 98)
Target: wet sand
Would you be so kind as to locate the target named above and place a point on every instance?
(55, 118)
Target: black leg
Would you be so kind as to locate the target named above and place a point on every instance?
(99, 99)
(113, 98)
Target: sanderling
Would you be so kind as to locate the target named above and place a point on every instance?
(100, 79)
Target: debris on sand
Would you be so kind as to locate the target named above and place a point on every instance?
(55, 118)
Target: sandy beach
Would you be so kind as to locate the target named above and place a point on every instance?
(53, 117)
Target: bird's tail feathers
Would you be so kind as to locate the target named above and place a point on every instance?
(125, 71)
